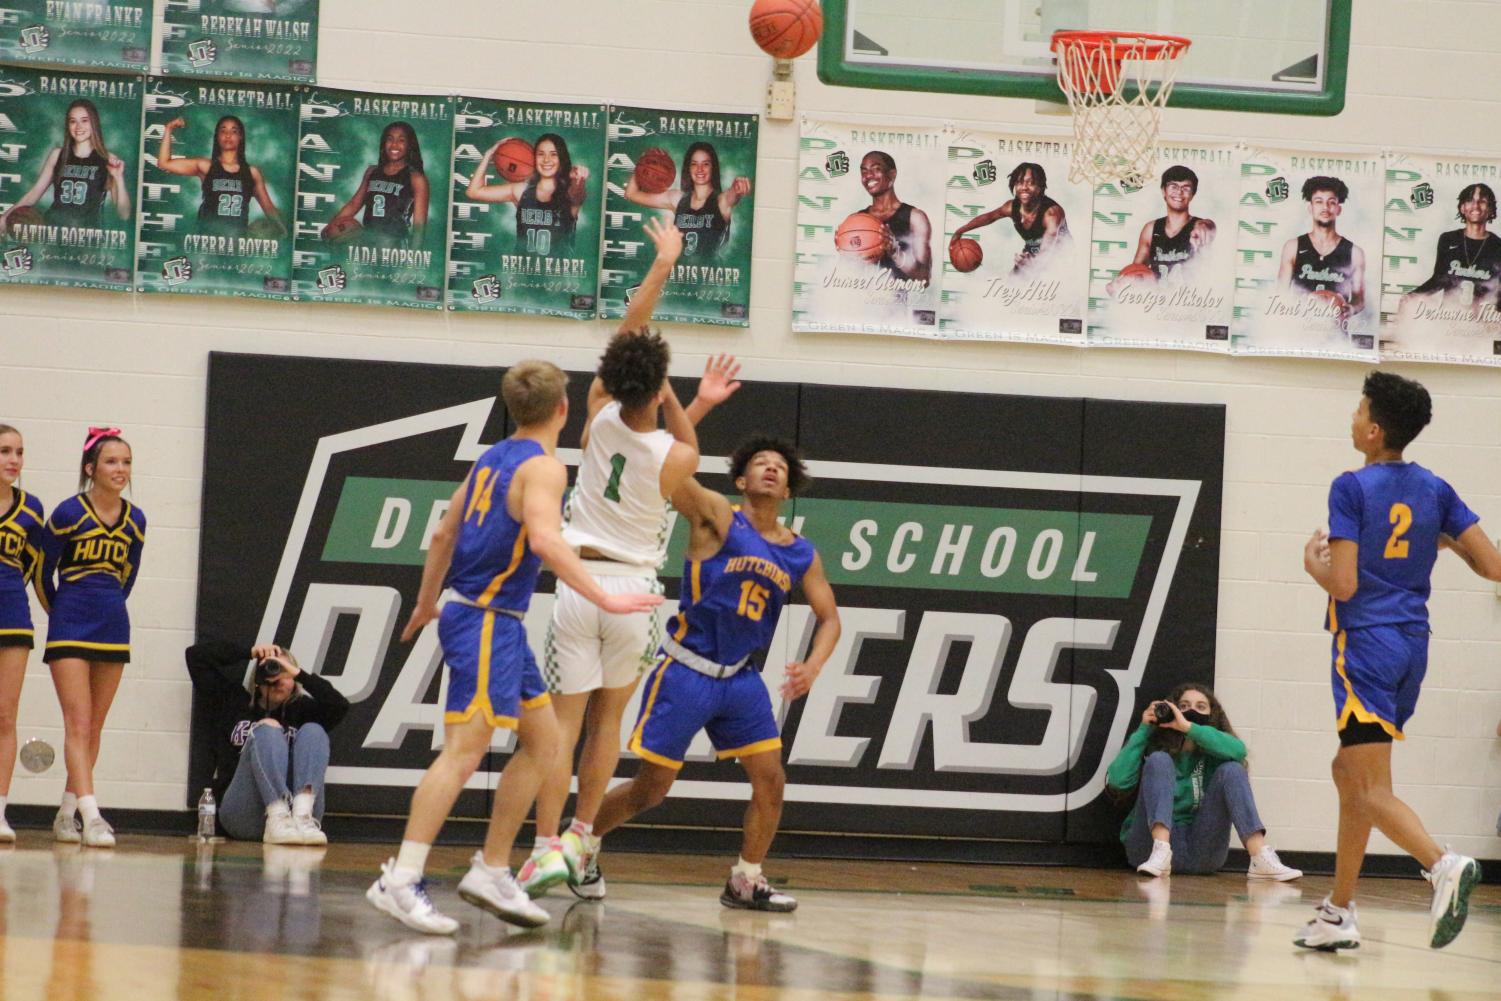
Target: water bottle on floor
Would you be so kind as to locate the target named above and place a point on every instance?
(207, 811)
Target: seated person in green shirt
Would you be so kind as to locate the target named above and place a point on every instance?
(1189, 779)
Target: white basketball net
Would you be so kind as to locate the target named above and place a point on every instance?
(1116, 86)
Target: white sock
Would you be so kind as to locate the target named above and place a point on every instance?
(579, 827)
(411, 859)
(88, 806)
(70, 804)
(750, 870)
(493, 871)
(541, 845)
(2, 806)
(302, 804)
(276, 808)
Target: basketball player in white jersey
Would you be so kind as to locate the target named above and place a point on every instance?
(616, 518)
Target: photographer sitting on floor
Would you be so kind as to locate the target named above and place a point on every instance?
(271, 744)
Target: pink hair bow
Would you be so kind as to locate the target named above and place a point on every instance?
(96, 433)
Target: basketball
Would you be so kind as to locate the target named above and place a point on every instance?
(786, 29)
(342, 231)
(655, 171)
(863, 235)
(1138, 272)
(513, 159)
(965, 254)
(26, 215)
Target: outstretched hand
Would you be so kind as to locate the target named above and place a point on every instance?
(666, 237)
(718, 383)
(626, 604)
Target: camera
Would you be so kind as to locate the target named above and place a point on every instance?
(1163, 712)
(267, 671)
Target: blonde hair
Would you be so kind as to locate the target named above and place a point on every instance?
(532, 391)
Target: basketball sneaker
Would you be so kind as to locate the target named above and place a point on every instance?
(65, 828)
(1160, 862)
(281, 829)
(98, 834)
(756, 894)
(1266, 865)
(1453, 877)
(7, 833)
(592, 885)
(310, 829)
(574, 853)
(1332, 928)
(545, 869)
(407, 901)
(500, 895)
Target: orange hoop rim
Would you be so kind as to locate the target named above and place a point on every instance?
(1172, 46)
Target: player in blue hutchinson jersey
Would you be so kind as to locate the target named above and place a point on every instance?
(503, 521)
(1387, 522)
(93, 544)
(21, 560)
(742, 567)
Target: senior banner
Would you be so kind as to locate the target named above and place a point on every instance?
(528, 185)
(1309, 276)
(1008, 605)
(217, 189)
(870, 210)
(372, 199)
(1016, 263)
(1162, 272)
(697, 170)
(241, 39)
(69, 160)
(103, 34)
(1441, 288)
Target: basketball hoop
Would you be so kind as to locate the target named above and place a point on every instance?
(1117, 83)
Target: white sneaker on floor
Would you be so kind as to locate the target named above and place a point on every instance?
(500, 895)
(310, 829)
(1266, 865)
(98, 834)
(65, 828)
(1453, 877)
(281, 829)
(408, 902)
(7, 833)
(1160, 862)
(1332, 928)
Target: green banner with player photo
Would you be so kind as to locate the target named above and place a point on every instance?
(372, 198)
(696, 169)
(528, 180)
(217, 189)
(241, 39)
(97, 34)
(1441, 286)
(870, 207)
(1309, 272)
(1162, 264)
(69, 158)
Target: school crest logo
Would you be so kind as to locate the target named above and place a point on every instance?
(485, 289)
(177, 271)
(1277, 190)
(1421, 196)
(17, 262)
(202, 53)
(837, 163)
(34, 39)
(984, 172)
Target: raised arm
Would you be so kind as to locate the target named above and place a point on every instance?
(668, 240)
(661, 200)
(119, 191)
(731, 196)
(184, 166)
(708, 514)
(717, 384)
(479, 191)
(435, 567)
(802, 674)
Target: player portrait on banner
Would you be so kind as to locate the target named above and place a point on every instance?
(1310, 255)
(696, 170)
(67, 187)
(527, 189)
(1162, 269)
(372, 197)
(241, 39)
(217, 190)
(1441, 291)
(869, 202)
(1014, 269)
(98, 34)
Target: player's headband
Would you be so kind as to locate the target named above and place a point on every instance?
(97, 433)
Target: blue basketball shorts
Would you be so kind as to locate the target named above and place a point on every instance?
(491, 670)
(1378, 673)
(679, 702)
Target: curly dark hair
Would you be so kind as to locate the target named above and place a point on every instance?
(797, 473)
(634, 366)
(1339, 189)
(1400, 407)
(1473, 191)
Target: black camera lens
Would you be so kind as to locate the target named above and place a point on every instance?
(266, 671)
(1164, 712)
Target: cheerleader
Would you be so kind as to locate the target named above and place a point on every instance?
(21, 519)
(94, 542)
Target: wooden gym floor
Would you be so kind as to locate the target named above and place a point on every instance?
(159, 918)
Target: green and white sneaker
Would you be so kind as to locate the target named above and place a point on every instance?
(1453, 877)
(545, 869)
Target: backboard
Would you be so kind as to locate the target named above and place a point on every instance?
(1283, 56)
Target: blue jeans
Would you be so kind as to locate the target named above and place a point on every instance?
(1202, 845)
(273, 766)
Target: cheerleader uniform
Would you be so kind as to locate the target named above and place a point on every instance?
(21, 562)
(96, 565)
